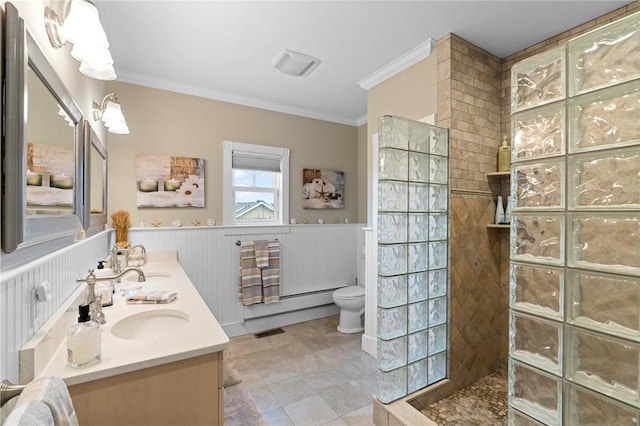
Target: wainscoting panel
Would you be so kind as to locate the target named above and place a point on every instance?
(20, 315)
(312, 258)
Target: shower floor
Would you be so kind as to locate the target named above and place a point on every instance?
(483, 403)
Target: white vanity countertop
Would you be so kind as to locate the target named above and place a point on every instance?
(201, 335)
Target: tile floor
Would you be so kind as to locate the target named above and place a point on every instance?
(308, 375)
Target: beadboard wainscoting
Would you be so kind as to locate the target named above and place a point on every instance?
(314, 260)
(20, 315)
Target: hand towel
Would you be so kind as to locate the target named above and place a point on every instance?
(250, 282)
(53, 392)
(262, 253)
(271, 274)
(31, 413)
(157, 296)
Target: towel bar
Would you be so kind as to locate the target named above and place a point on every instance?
(239, 243)
(8, 390)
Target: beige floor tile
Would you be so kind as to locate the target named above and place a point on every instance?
(311, 411)
(291, 390)
(345, 398)
(325, 379)
(360, 417)
(264, 399)
(276, 417)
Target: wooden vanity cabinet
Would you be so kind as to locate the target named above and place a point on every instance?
(187, 392)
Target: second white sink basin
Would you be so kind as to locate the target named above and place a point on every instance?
(150, 324)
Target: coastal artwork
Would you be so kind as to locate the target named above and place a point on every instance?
(322, 189)
(169, 181)
(50, 175)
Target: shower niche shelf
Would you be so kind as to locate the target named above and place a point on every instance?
(502, 176)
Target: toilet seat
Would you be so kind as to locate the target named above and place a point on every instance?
(350, 292)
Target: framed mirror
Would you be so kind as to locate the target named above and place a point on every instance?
(43, 152)
(95, 182)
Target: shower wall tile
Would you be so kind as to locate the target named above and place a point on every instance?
(391, 385)
(392, 164)
(516, 418)
(418, 286)
(392, 291)
(417, 376)
(392, 354)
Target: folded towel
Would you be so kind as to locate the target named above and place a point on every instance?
(250, 282)
(31, 413)
(53, 392)
(271, 274)
(157, 296)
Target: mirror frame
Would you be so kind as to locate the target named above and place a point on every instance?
(18, 229)
(94, 223)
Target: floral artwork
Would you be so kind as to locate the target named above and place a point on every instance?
(168, 181)
(322, 189)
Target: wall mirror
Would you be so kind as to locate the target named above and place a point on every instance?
(43, 181)
(95, 182)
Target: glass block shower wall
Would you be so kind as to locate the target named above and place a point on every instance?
(574, 332)
(412, 256)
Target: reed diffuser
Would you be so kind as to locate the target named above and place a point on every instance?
(121, 223)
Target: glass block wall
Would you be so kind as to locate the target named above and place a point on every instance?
(574, 331)
(412, 256)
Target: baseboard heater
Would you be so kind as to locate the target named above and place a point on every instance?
(290, 303)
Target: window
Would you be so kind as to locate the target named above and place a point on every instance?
(256, 184)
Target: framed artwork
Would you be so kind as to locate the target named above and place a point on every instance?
(322, 189)
(50, 175)
(169, 181)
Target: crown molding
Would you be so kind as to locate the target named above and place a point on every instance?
(410, 58)
(172, 86)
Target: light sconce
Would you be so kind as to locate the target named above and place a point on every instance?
(110, 113)
(81, 26)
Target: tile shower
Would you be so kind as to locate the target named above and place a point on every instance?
(412, 256)
(574, 321)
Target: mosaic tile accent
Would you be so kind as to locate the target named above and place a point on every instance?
(483, 403)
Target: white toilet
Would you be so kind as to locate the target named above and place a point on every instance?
(350, 300)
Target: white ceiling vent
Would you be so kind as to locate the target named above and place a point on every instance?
(295, 63)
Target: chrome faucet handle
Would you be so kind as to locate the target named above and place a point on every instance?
(91, 282)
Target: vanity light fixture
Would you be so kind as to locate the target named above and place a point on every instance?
(81, 26)
(110, 113)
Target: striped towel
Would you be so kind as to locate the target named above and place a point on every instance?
(271, 274)
(262, 253)
(250, 285)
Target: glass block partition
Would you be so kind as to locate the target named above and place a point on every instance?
(412, 256)
(574, 331)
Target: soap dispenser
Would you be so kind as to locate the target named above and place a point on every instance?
(84, 343)
(504, 156)
(104, 288)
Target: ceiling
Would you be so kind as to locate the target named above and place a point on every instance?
(224, 50)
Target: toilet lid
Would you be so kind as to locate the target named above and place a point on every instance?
(351, 292)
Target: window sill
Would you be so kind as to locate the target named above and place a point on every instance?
(255, 229)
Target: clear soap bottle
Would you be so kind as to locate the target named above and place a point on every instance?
(84, 345)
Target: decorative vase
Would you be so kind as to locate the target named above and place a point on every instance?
(499, 211)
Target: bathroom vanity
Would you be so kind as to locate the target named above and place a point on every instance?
(161, 364)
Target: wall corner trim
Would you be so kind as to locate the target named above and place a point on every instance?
(418, 53)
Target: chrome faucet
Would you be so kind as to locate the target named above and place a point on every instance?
(91, 281)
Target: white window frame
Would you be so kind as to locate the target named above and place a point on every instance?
(249, 150)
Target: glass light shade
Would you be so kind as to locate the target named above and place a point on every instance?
(120, 129)
(99, 72)
(114, 119)
(82, 21)
(86, 52)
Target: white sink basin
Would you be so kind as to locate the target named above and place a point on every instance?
(150, 324)
(150, 276)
